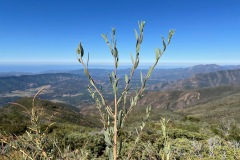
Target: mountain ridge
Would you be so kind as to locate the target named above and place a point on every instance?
(202, 80)
(70, 88)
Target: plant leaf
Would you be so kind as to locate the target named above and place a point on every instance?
(171, 33)
(141, 77)
(107, 139)
(120, 119)
(136, 34)
(80, 50)
(132, 59)
(164, 44)
(105, 38)
(126, 78)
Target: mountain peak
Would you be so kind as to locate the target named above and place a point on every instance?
(205, 67)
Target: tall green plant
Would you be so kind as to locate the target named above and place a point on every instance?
(114, 117)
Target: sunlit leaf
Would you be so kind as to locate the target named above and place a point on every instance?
(136, 34)
(171, 33)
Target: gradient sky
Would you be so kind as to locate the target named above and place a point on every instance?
(48, 31)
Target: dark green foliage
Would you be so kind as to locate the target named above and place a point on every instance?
(191, 118)
(227, 130)
(234, 133)
(178, 133)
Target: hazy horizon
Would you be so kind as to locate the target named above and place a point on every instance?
(38, 68)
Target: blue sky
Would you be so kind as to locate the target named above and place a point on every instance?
(48, 31)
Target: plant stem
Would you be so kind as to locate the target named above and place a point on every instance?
(115, 119)
(115, 129)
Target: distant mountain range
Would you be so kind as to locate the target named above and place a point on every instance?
(203, 91)
(70, 87)
(184, 71)
(212, 79)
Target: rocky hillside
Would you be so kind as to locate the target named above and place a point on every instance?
(213, 79)
(174, 100)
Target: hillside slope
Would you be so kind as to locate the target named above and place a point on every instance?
(215, 111)
(14, 119)
(173, 100)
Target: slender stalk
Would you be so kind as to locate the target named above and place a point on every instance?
(115, 116)
(115, 129)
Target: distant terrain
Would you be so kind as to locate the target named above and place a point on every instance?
(175, 90)
(71, 87)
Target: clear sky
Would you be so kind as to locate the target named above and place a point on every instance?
(48, 31)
